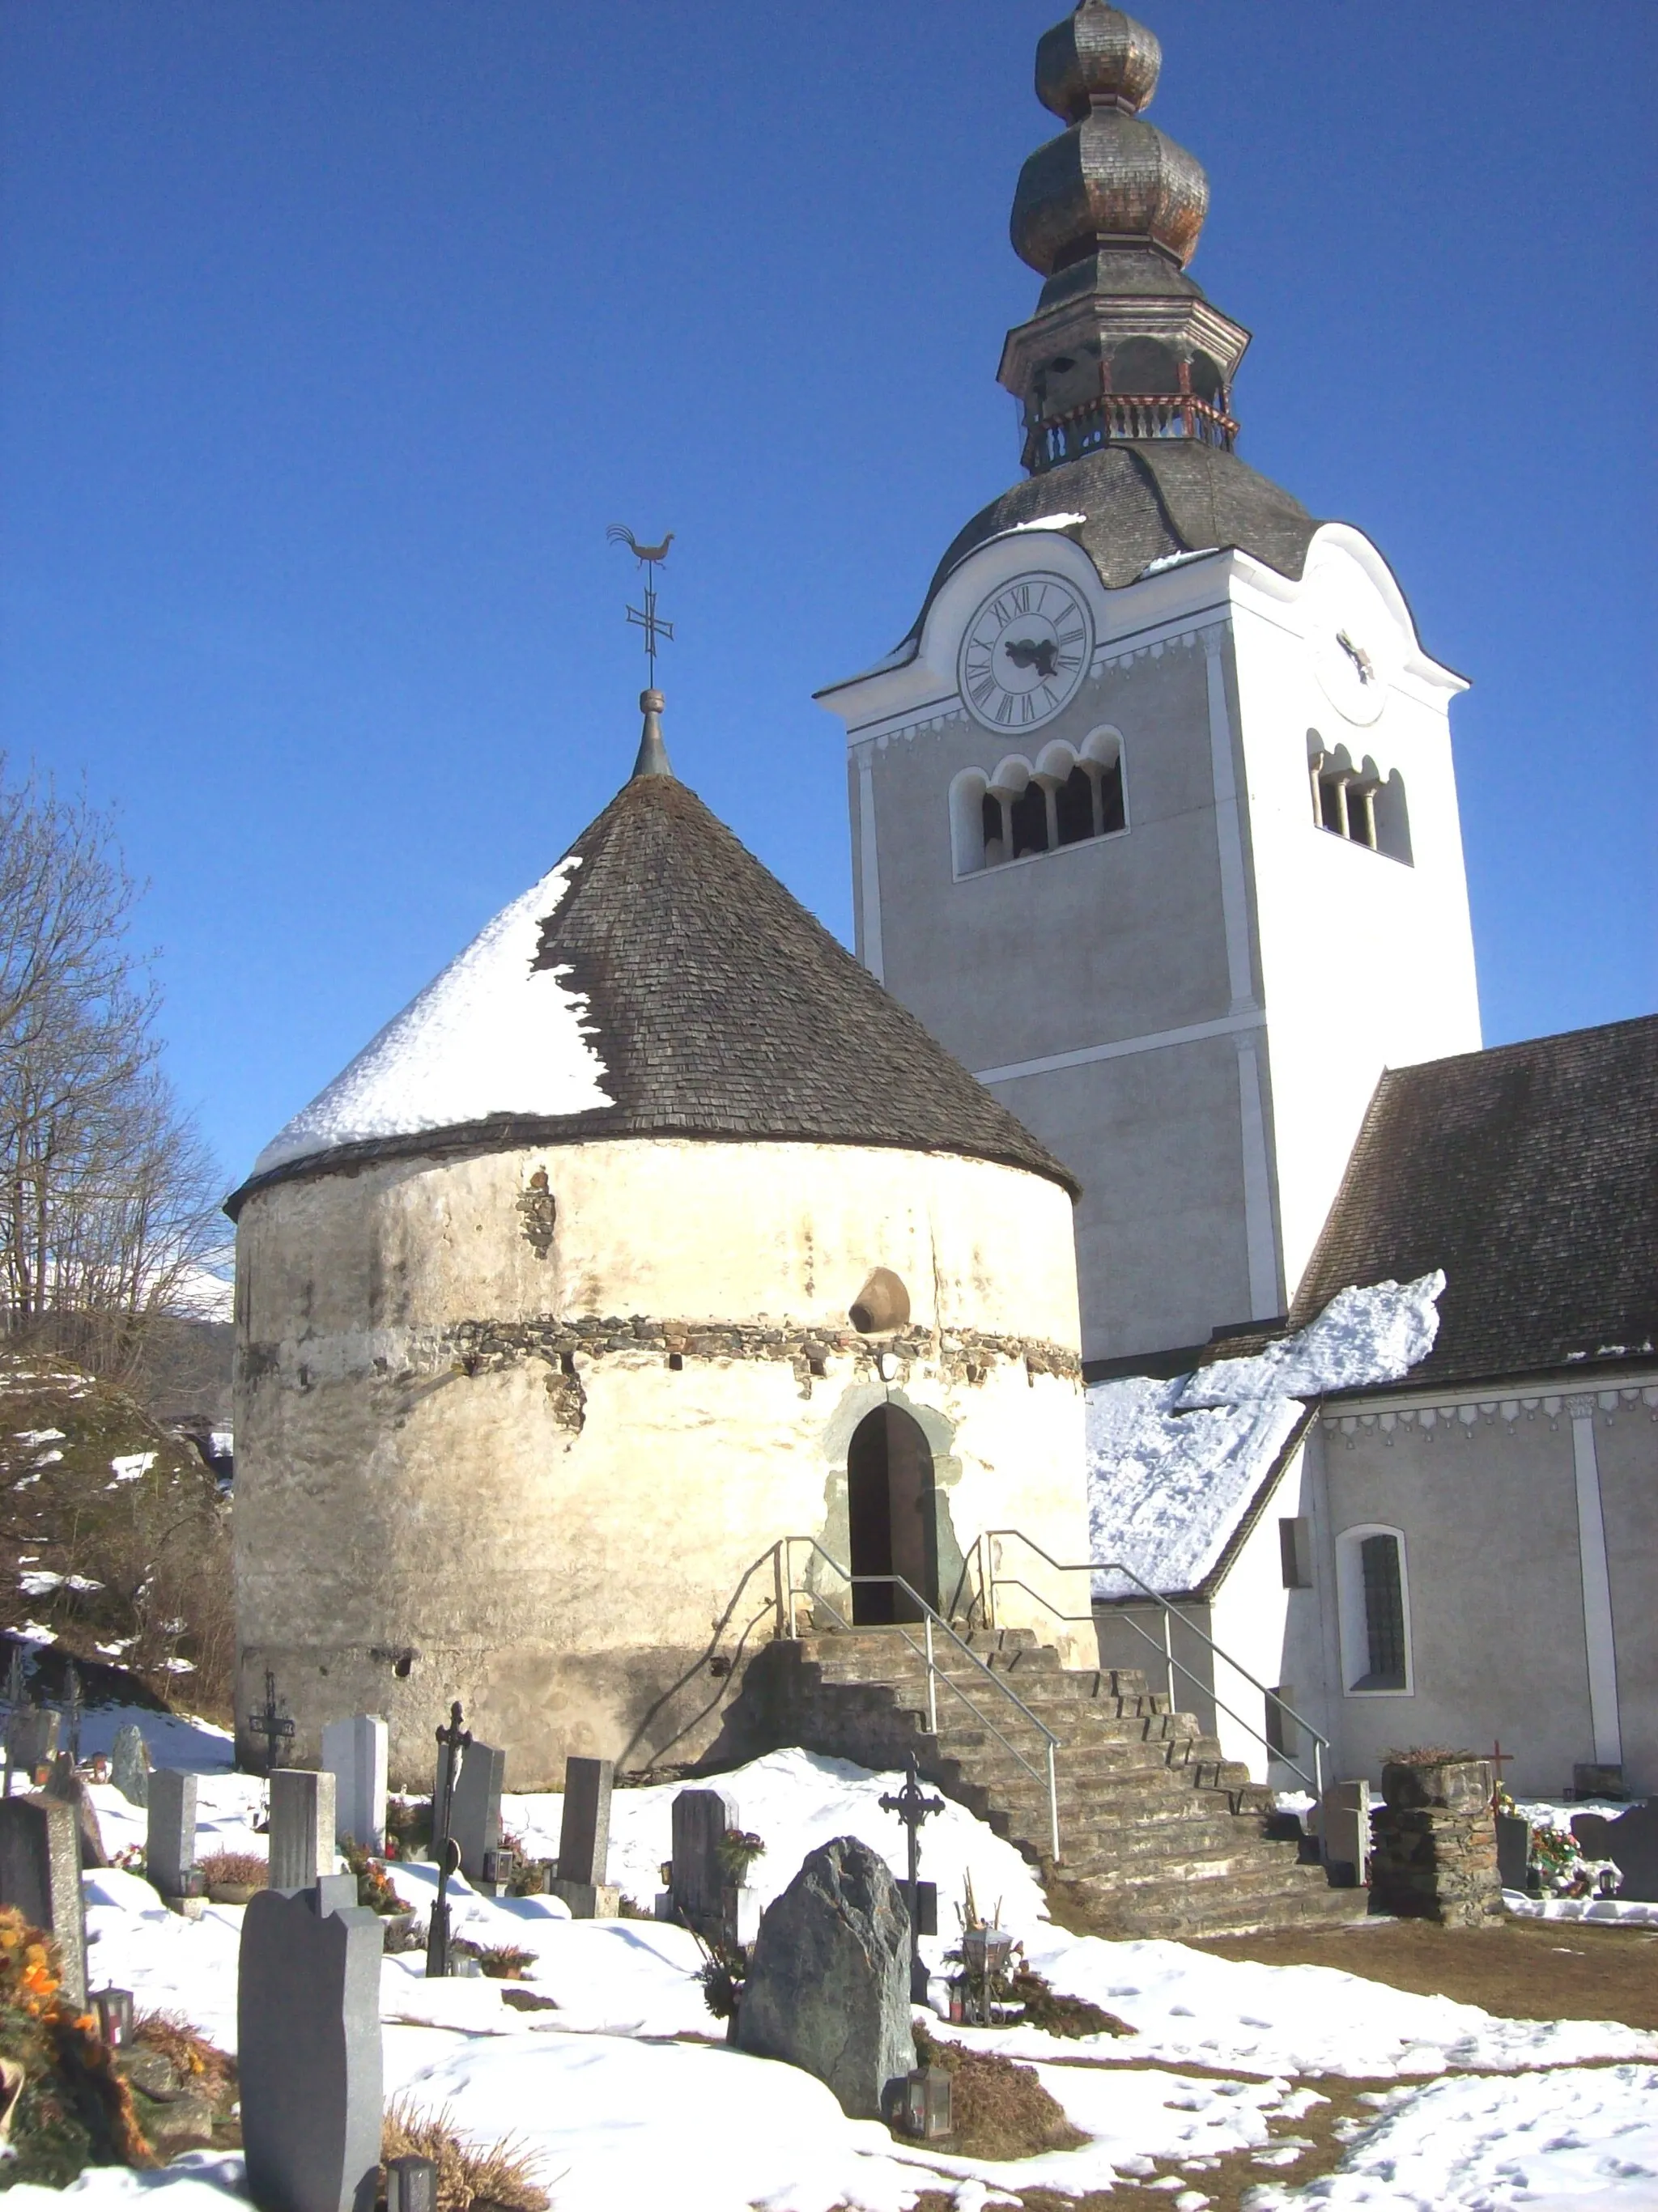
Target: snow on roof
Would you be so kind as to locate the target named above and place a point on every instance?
(1047, 522)
(1174, 1466)
(493, 1035)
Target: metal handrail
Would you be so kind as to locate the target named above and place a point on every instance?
(991, 1580)
(933, 1621)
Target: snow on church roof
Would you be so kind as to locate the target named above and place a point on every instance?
(1173, 1467)
(493, 1036)
(658, 982)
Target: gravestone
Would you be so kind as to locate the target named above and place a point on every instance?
(701, 1818)
(354, 1753)
(302, 1827)
(67, 1786)
(584, 1841)
(1514, 1846)
(1346, 1832)
(31, 1741)
(476, 1822)
(170, 1844)
(129, 1765)
(309, 2055)
(1632, 1841)
(40, 1876)
(828, 1986)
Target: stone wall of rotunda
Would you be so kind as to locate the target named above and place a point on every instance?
(524, 1427)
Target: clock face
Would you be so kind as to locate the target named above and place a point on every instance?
(1025, 652)
(1354, 637)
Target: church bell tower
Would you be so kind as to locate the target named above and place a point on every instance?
(1154, 817)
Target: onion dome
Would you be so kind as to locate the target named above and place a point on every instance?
(1111, 178)
(658, 981)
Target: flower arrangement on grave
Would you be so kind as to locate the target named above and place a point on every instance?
(984, 1955)
(737, 1851)
(505, 1962)
(374, 1884)
(63, 2105)
(1563, 1870)
(722, 1974)
(233, 1877)
(529, 1875)
(408, 1827)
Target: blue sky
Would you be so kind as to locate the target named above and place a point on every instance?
(331, 338)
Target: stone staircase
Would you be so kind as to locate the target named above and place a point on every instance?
(1160, 1834)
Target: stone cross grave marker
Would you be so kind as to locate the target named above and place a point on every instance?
(355, 1752)
(170, 1842)
(129, 1764)
(302, 1827)
(1630, 1840)
(307, 2017)
(584, 1841)
(40, 1876)
(476, 1821)
(697, 1880)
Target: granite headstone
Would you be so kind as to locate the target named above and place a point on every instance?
(355, 1752)
(302, 1827)
(1630, 1841)
(584, 1841)
(309, 2055)
(476, 1824)
(170, 1844)
(697, 1880)
(129, 1764)
(40, 1876)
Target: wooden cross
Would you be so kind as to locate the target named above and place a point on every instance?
(1500, 1759)
(454, 1740)
(271, 1722)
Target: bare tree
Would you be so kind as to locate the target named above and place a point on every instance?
(107, 1192)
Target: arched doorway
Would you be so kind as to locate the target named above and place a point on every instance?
(890, 1514)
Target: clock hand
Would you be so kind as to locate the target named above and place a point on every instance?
(1360, 658)
(1039, 652)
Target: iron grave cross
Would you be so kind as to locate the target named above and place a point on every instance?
(270, 1722)
(454, 1741)
(913, 1806)
(646, 618)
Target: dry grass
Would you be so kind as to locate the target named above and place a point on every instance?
(244, 1867)
(197, 2063)
(467, 2174)
(1073, 2017)
(999, 2108)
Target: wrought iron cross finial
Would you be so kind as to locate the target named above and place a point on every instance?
(646, 618)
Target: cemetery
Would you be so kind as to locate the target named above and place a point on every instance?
(799, 1981)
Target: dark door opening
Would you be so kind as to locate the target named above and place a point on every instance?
(890, 1512)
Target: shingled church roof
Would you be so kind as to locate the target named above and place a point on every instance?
(1529, 1174)
(681, 992)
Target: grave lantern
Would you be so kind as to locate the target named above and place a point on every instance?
(985, 1955)
(411, 2185)
(927, 2104)
(497, 1869)
(115, 2008)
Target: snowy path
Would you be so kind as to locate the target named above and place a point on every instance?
(621, 2115)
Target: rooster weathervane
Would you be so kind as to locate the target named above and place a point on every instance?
(646, 618)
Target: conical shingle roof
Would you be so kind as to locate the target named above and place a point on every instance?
(659, 982)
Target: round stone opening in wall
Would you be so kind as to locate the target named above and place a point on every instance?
(883, 1303)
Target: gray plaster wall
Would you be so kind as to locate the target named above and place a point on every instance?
(1109, 941)
(1484, 1494)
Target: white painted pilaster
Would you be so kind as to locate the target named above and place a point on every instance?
(1597, 1588)
(869, 867)
(1260, 1242)
(1229, 831)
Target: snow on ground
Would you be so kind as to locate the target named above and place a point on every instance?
(493, 1034)
(1173, 1466)
(621, 2113)
(1576, 2137)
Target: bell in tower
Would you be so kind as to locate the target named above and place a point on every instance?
(1154, 821)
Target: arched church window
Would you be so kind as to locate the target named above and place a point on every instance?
(1019, 810)
(1030, 821)
(1355, 802)
(1372, 1602)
